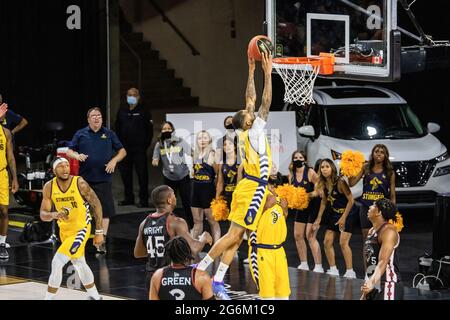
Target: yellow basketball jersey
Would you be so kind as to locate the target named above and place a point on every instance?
(79, 216)
(3, 161)
(257, 165)
(272, 229)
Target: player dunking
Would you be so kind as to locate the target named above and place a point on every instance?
(251, 192)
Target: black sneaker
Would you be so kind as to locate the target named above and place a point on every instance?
(3, 252)
(91, 298)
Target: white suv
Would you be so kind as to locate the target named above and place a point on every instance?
(357, 118)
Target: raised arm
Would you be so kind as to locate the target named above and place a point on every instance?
(139, 247)
(354, 180)
(266, 62)
(11, 161)
(96, 209)
(250, 93)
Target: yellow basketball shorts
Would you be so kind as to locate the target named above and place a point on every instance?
(247, 204)
(269, 270)
(4, 188)
(74, 243)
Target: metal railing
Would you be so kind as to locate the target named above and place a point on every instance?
(174, 27)
(138, 58)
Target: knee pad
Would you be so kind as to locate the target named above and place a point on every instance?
(84, 272)
(58, 263)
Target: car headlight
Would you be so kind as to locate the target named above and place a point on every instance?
(442, 157)
(336, 155)
(442, 171)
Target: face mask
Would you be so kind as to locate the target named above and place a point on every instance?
(229, 127)
(298, 163)
(132, 100)
(166, 135)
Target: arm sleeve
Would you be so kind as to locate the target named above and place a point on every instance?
(186, 147)
(74, 144)
(257, 136)
(117, 145)
(156, 151)
(14, 118)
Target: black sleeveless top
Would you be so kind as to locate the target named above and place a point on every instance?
(338, 201)
(229, 178)
(203, 172)
(375, 186)
(305, 183)
(155, 236)
(371, 253)
(178, 284)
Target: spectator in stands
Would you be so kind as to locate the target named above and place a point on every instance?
(134, 129)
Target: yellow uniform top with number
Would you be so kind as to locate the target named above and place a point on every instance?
(272, 229)
(79, 216)
(255, 164)
(267, 258)
(250, 194)
(3, 161)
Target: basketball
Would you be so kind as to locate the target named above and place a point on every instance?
(257, 45)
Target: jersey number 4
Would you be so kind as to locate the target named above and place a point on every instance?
(155, 246)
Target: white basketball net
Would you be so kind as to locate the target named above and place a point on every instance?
(298, 82)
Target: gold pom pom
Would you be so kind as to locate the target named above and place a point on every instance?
(352, 162)
(297, 198)
(219, 209)
(399, 223)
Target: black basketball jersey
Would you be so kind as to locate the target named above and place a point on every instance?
(155, 237)
(178, 284)
(371, 253)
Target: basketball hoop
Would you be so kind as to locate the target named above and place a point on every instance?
(299, 75)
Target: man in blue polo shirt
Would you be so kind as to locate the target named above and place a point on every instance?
(12, 121)
(94, 146)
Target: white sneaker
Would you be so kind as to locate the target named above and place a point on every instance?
(350, 274)
(318, 270)
(332, 272)
(245, 261)
(303, 267)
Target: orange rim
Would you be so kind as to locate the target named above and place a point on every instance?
(315, 62)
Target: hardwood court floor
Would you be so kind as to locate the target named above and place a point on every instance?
(118, 275)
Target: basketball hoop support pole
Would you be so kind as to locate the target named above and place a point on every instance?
(424, 38)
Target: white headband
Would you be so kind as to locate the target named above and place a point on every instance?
(59, 161)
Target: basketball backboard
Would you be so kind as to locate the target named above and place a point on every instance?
(362, 34)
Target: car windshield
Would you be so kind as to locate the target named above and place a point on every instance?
(367, 122)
